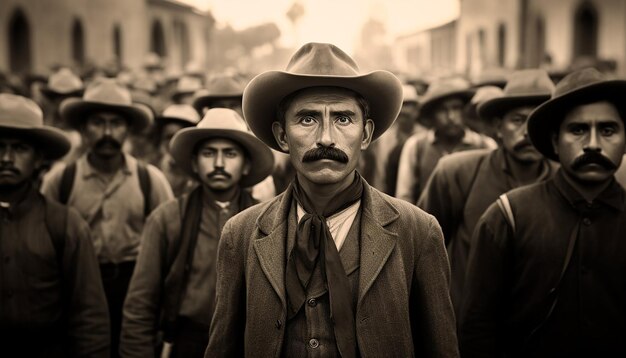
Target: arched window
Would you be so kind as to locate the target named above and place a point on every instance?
(78, 43)
(585, 30)
(482, 47)
(117, 43)
(157, 39)
(19, 43)
(501, 44)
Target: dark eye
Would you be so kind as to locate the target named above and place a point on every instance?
(343, 119)
(207, 153)
(231, 154)
(307, 120)
(577, 130)
(21, 148)
(608, 130)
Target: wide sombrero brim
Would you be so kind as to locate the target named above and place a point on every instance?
(381, 89)
(497, 107)
(205, 101)
(261, 158)
(428, 104)
(52, 94)
(74, 112)
(545, 118)
(52, 142)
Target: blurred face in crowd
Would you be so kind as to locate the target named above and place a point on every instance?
(104, 133)
(590, 142)
(230, 103)
(407, 117)
(324, 132)
(18, 161)
(220, 163)
(448, 117)
(513, 133)
(167, 133)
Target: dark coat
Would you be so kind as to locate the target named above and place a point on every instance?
(403, 307)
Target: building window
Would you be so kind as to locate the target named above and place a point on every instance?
(181, 34)
(20, 61)
(117, 44)
(482, 48)
(157, 39)
(78, 43)
(585, 30)
(501, 44)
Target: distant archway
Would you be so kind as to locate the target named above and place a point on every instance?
(78, 43)
(117, 43)
(585, 30)
(20, 60)
(157, 39)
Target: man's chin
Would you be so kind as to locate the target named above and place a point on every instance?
(592, 176)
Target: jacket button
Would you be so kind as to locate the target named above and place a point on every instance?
(314, 343)
(587, 221)
(312, 302)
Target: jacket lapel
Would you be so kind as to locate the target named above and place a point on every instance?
(377, 243)
(270, 247)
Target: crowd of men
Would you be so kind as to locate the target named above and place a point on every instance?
(318, 211)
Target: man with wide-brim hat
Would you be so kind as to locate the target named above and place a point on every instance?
(546, 272)
(463, 185)
(174, 118)
(323, 257)
(222, 91)
(443, 104)
(61, 85)
(186, 87)
(111, 189)
(49, 271)
(179, 244)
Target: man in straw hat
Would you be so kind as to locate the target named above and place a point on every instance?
(51, 299)
(111, 189)
(173, 288)
(546, 270)
(331, 266)
(443, 103)
(463, 185)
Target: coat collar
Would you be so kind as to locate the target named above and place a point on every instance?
(377, 242)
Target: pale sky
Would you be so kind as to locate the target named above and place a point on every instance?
(335, 21)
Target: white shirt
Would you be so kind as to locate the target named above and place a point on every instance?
(338, 224)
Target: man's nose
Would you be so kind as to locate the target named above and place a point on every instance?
(325, 135)
(593, 143)
(7, 156)
(219, 160)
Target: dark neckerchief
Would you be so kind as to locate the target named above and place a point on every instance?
(314, 245)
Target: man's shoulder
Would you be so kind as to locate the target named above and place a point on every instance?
(247, 219)
(463, 162)
(528, 193)
(406, 211)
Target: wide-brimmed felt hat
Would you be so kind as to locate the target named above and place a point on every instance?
(580, 87)
(106, 95)
(184, 114)
(63, 83)
(524, 88)
(22, 116)
(186, 85)
(409, 94)
(440, 90)
(152, 61)
(320, 65)
(219, 87)
(223, 123)
(495, 76)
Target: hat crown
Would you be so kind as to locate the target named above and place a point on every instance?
(108, 91)
(529, 83)
(409, 94)
(182, 111)
(322, 59)
(445, 87)
(223, 118)
(18, 111)
(64, 81)
(224, 85)
(486, 93)
(188, 84)
(578, 79)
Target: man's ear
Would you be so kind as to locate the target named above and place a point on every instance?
(555, 142)
(281, 136)
(246, 167)
(368, 133)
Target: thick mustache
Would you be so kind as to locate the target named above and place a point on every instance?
(219, 171)
(523, 144)
(324, 152)
(108, 140)
(593, 158)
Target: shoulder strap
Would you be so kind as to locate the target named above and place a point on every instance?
(146, 187)
(67, 182)
(505, 207)
(56, 223)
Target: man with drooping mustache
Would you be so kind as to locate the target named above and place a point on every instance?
(113, 191)
(331, 267)
(463, 185)
(546, 269)
(173, 288)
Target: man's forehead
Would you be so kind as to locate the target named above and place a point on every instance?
(521, 110)
(596, 111)
(220, 143)
(451, 101)
(106, 115)
(15, 139)
(325, 95)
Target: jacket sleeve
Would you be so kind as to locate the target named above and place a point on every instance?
(229, 320)
(407, 180)
(88, 316)
(142, 304)
(485, 287)
(161, 189)
(432, 316)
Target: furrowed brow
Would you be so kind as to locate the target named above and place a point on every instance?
(308, 112)
(346, 113)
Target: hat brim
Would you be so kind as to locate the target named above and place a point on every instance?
(75, 110)
(52, 142)
(52, 94)
(545, 118)
(261, 158)
(429, 104)
(205, 101)
(381, 89)
(497, 107)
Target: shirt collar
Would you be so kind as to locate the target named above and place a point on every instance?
(89, 171)
(501, 159)
(612, 196)
(23, 205)
(209, 199)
